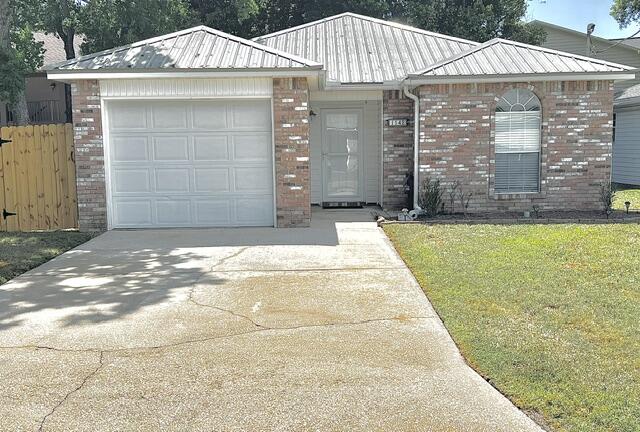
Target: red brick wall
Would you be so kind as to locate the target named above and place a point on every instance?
(90, 174)
(397, 144)
(291, 132)
(457, 134)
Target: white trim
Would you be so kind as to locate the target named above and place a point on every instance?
(444, 79)
(187, 88)
(107, 161)
(273, 164)
(381, 192)
(345, 95)
(221, 73)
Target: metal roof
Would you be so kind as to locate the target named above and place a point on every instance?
(504, 57)
(195, 48)
(357, 49)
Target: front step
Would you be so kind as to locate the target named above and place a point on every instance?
(342, 204)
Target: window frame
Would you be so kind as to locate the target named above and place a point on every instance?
(501, 99)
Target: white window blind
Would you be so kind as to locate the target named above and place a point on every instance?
(518, 132)
(517, 142)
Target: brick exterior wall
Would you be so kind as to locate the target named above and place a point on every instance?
(90, 174)
(397, 143)
(457, 142)
(291, 132)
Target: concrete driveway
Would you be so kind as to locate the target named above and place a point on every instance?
(236, 329)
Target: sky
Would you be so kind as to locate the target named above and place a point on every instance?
(576, 14)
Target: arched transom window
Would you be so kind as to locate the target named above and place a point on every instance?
(517, 142)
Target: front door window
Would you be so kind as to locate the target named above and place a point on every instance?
(342, 148)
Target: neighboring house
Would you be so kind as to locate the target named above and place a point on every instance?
(202, 128)
(626, 148)
(45, 98)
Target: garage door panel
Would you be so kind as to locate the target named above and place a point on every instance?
(171, 180)
(256, 179)
(131, 180)
(210, 148)
(128, 116)
(254, 211)
(171, 148)
(250, 147)
(173, 212)
(171, 115)
(197, 163)
(251, 115)
(130, 148)
(211, 180)
(133, 213)
(213, 212)
(210, 115)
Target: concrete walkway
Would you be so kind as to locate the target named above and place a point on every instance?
(236, 329)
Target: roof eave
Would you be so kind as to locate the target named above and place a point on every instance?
(465, 79)
(82, 74)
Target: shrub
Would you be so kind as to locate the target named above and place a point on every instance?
(430, 199)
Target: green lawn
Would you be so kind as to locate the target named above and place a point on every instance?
(20, 252)
(627, 194)
(549, 314)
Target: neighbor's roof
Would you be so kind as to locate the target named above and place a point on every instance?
(357, 49)
(500, 57)
(605, 42)
(54, 47)
(195, 48)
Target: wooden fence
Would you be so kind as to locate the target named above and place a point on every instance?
(37, 178)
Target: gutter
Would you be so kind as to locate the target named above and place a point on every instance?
(416, 147)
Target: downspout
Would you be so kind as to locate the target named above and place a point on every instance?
(416, 147)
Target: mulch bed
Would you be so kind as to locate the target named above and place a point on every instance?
(572, 216)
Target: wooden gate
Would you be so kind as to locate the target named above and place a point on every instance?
(37, 178)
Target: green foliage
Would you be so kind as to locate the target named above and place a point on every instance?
(626, 11)
(430, 198)
(547, 313)
(478, 20)
(110, 23)
(23, 55)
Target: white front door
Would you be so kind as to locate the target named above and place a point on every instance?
(190, 163)
(342, 146)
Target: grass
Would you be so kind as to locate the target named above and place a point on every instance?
(549, 314)
(20, 252)
(628, 193)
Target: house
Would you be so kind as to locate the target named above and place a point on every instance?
(202, 128)
(626, 148)
(45, 98)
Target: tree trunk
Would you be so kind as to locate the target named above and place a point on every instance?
(70, 52)
(20, 109)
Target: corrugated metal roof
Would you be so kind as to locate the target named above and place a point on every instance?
(195, 48)
(505, 57)
(357, 49)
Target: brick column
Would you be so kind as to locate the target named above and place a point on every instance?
(90, 173)
(397, 149)
(291, 132)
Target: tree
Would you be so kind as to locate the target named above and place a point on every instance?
(60, 17)
(478, 20)
(20, 54)
(110, 23)
(232, 16)
(626, 11)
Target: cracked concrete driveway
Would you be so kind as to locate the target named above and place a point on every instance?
(236, 329)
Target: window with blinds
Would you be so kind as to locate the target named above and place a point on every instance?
(517, 142)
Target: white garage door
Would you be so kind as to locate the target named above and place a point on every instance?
(195, 163)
